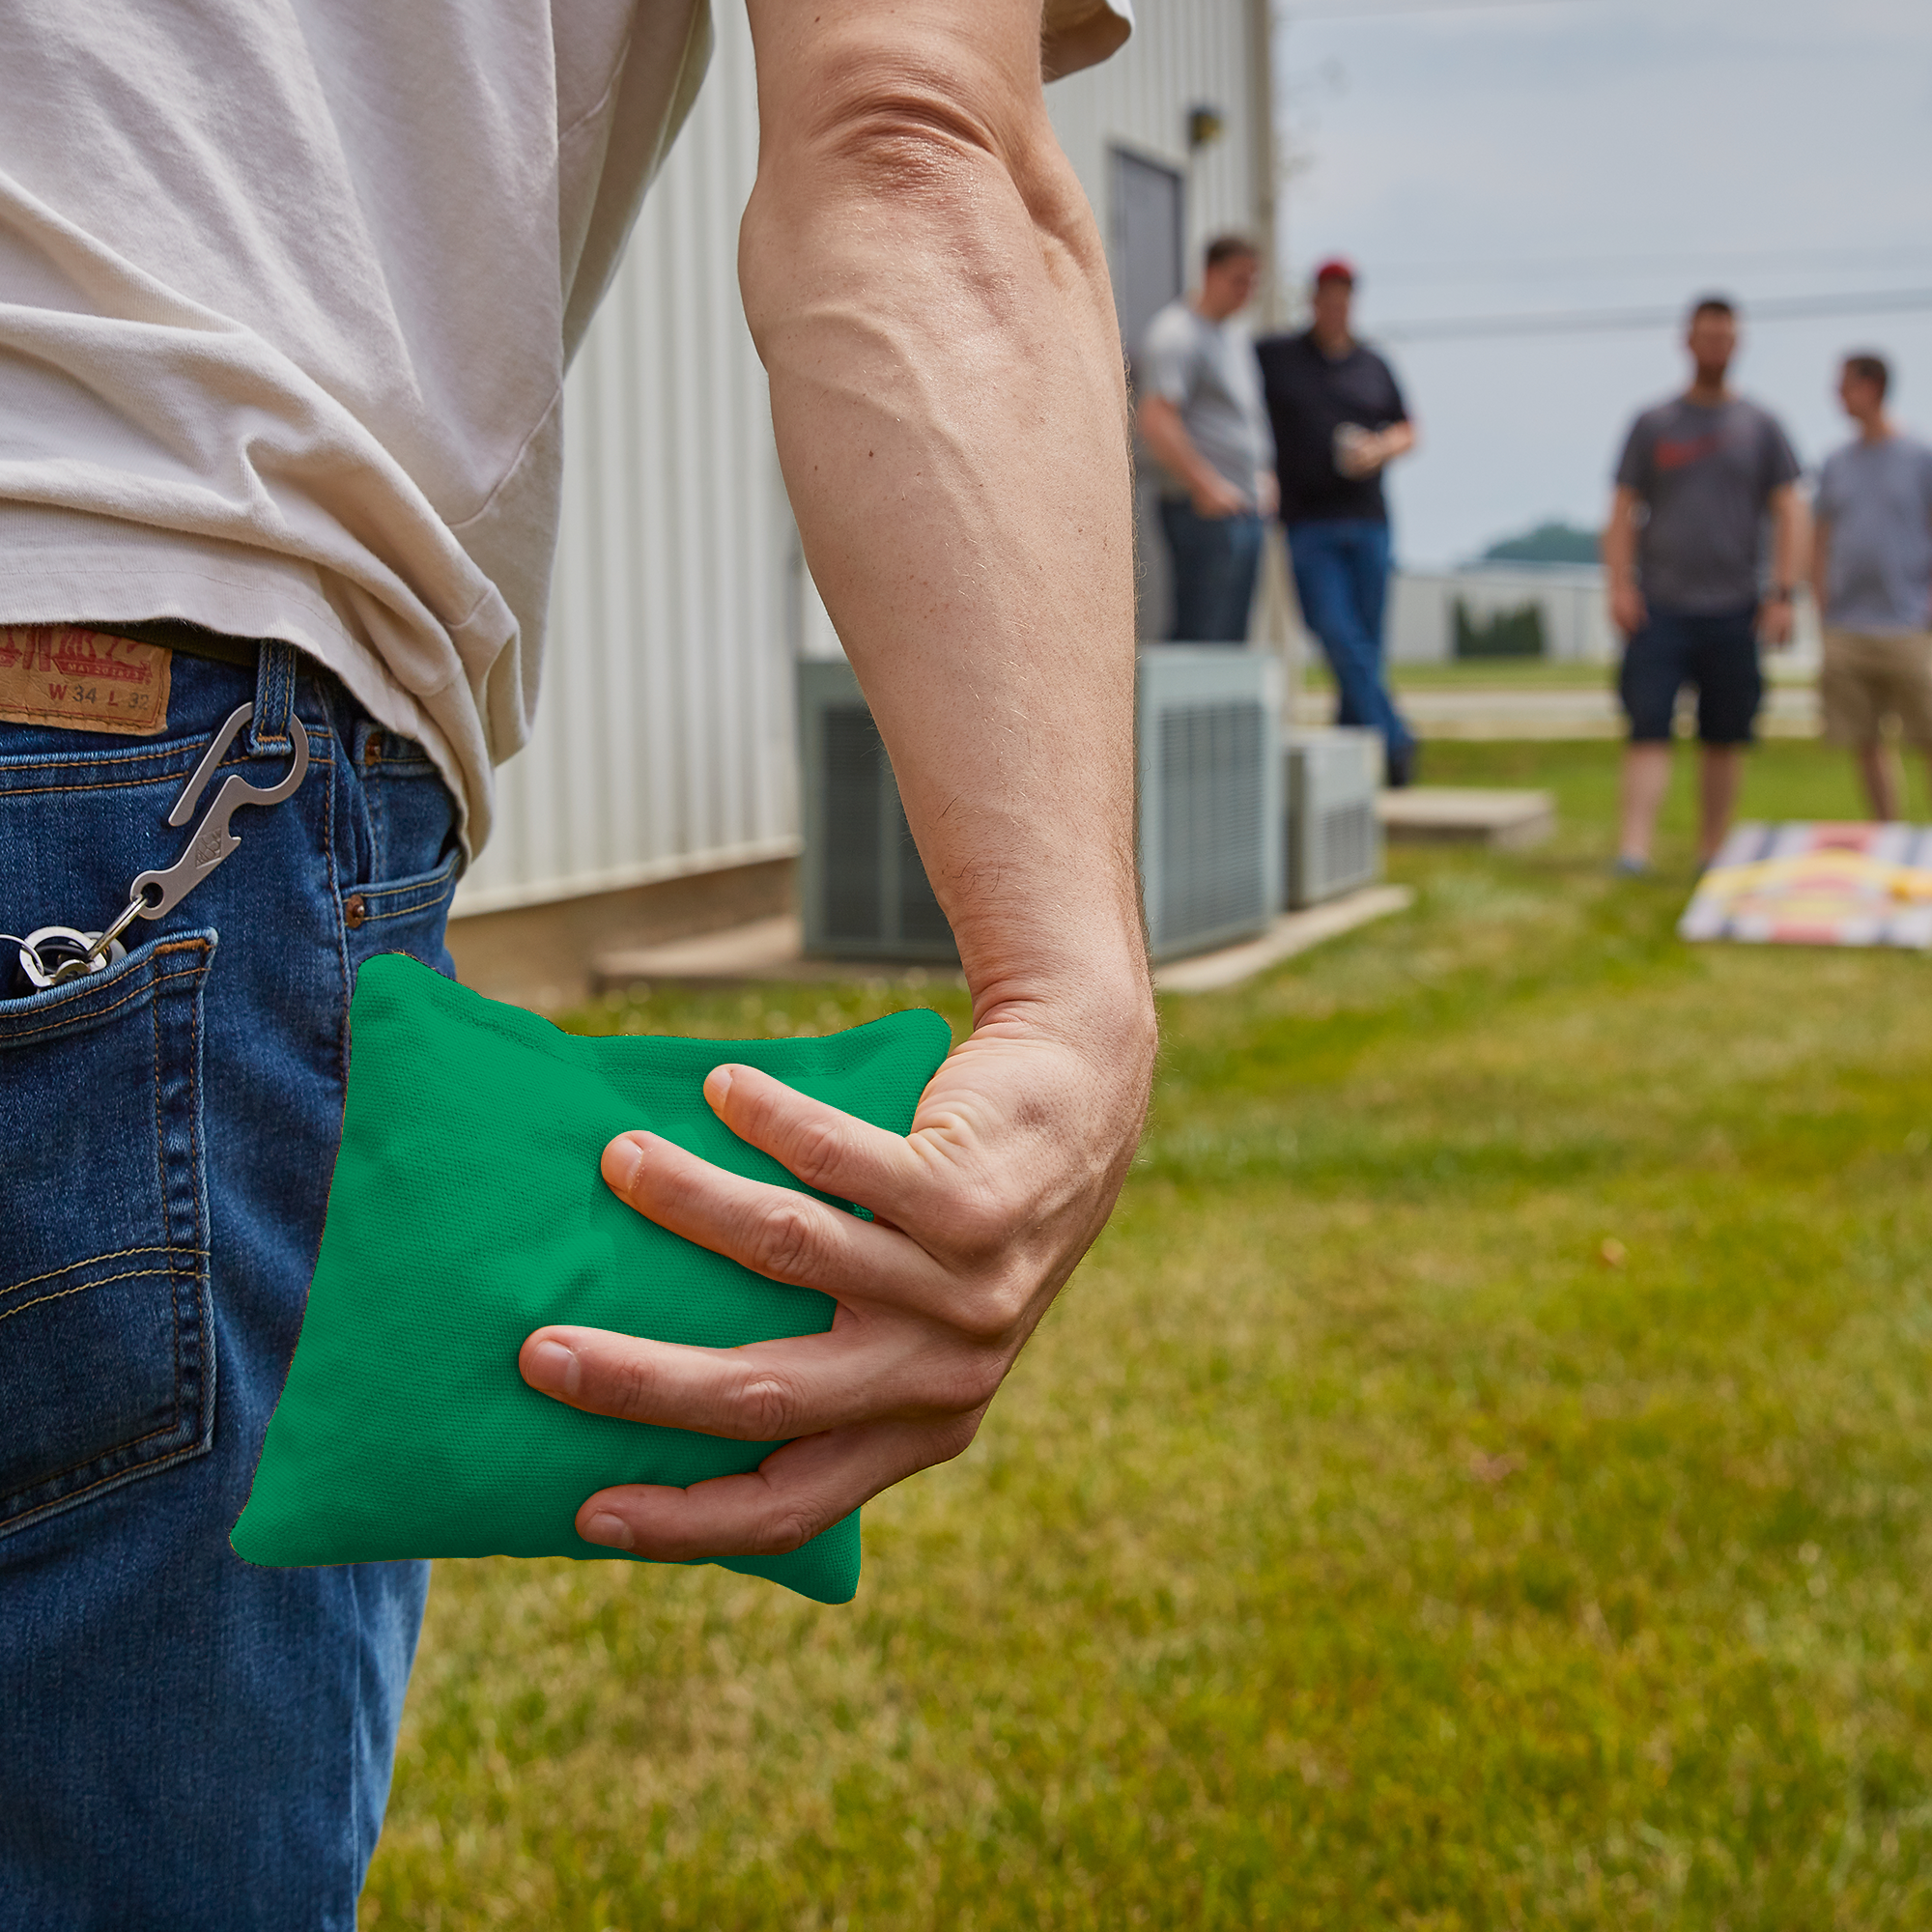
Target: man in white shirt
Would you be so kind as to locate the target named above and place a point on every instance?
(1200, 414)
(285, 297)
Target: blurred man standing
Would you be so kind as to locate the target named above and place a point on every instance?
(1871, 573)
(1200, 414)
(1338, 418)
(1682, 556)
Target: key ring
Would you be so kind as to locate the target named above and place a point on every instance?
(157, 893)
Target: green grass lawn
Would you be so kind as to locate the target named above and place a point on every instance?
(1478, 674)
(1479, 1480)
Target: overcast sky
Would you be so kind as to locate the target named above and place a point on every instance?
(1577, 155)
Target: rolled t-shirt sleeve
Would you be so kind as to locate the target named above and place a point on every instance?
(1165, 366)
(1781, 460)
(1633, 466)
(1398, 403)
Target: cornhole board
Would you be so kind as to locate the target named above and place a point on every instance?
(1817, 885)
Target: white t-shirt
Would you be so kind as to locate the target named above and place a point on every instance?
(287, 291)
(1209, 372)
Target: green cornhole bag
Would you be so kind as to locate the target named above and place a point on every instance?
(467, 1209)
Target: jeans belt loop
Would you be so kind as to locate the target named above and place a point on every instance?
(275, 673)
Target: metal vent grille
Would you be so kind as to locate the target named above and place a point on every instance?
(1334, 839)
(1211, 820)
(853, 889)
(865, 894)
(1348, 836)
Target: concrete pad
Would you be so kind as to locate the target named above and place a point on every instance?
(764, 949)
(1466, 814)
(1291, 933)
(771, 949)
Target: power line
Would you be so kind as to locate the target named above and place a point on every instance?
(1544, 265)
(1580, 322)
(1381, 9)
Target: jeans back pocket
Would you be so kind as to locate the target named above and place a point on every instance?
(106, 1340)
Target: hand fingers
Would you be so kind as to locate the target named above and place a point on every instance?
(796, 1492)
(837, 1153)
(775, 1231)
(768, 1391)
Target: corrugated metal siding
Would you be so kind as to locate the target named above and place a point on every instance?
(664, 738)
(1185, 53)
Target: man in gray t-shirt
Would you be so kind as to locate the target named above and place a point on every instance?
(1200, 414)
(1872, 570)
(1699, 477)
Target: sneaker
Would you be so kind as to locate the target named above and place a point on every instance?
(1399, 767)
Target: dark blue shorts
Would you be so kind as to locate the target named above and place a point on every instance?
(1717, 651)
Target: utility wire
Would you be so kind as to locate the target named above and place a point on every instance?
(1589, 266)
(1580, 322)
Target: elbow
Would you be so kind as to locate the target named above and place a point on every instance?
(937, 146)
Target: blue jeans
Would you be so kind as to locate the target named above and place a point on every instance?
(1341, 578)
(1214, 561)
(188, 1742)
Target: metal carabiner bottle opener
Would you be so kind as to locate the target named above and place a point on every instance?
(76, 954)
(212, 841)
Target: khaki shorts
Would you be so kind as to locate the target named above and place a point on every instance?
(1868, 678)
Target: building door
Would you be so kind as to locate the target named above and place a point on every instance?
(1149, 234)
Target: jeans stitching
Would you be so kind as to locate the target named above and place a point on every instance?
(167, 1219)
(434, 899)
(112, 1255)
(435, 884)
(129, 784)
(113, 1476)
(97, 1012)
(82, 1288)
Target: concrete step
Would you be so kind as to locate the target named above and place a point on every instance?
(1466, 814)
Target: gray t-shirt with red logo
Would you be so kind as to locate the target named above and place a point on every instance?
(1704, 476)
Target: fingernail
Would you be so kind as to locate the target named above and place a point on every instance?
(718, 1086)
(555, 1369)
(613, 1531)
(625, 1155)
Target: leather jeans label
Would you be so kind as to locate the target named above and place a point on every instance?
(82, 680)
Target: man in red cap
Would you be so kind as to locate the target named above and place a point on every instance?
(1338, 417)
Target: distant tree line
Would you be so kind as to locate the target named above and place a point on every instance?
(1547, 543)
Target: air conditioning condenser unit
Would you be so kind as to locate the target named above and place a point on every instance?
(1211, 807)
(1210, 777)
(1334, 838)
(864, 894)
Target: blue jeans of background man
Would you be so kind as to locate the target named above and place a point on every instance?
(1214, 561)
(189, 1741)
(1340, 579)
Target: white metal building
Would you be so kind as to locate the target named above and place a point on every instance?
(663, 745)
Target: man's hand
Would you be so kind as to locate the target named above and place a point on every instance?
(1207, 490)
(1629, 612)
(925, 285)
(1267, 493)
(1014, 1161)
(1774, 621)
(1213, 495)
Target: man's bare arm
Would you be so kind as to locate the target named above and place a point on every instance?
(927, 290)
(1619, 551)
(1788, 523)
(1166, 434)
(1381, 449)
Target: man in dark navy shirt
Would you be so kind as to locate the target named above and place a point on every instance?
(1338, 417)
